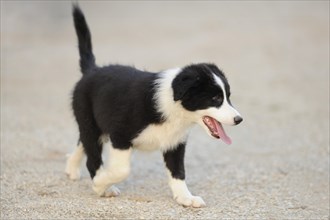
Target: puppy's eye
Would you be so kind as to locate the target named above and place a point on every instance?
(217, 98)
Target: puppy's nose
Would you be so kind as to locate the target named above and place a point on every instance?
(238, 119)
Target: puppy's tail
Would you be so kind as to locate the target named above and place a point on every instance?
(87, 59)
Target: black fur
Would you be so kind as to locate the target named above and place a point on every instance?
(115, 100)
(196, 89)
(87, 60)
(174, 160)
(120, 101)
(102, 106)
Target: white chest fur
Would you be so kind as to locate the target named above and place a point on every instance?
(164, 137)
(176, 126)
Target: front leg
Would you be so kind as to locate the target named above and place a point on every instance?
(174, 160)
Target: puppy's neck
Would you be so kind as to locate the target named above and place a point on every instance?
(170, 109)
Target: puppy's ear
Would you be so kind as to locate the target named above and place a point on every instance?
(182, 83)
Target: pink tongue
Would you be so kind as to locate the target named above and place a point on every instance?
(221, 132)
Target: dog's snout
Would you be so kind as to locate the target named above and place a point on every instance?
(238, 119)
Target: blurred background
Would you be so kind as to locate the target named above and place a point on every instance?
(275, 55)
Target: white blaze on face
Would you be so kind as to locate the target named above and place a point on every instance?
(212, 118)
(225, 113)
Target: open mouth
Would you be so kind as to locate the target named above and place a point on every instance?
(216, 129)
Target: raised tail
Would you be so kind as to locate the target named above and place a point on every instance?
(87, 59)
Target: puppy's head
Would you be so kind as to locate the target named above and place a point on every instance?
(204, 91)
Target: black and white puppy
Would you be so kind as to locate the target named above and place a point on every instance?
(135, 109)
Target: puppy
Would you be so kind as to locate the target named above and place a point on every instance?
(134, 109)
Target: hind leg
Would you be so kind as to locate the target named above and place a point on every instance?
(73, 162)
(117, 170)
(89, 137)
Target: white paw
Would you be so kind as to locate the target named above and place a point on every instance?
(73, 175)
(194, 201)
(102, 191)
(72, 171)
(73, 163)
(112, 192)
(99, 189)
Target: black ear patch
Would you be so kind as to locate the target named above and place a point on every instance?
(195, 86)
(182, 83)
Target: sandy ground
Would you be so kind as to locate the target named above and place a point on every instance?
(276, 56)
